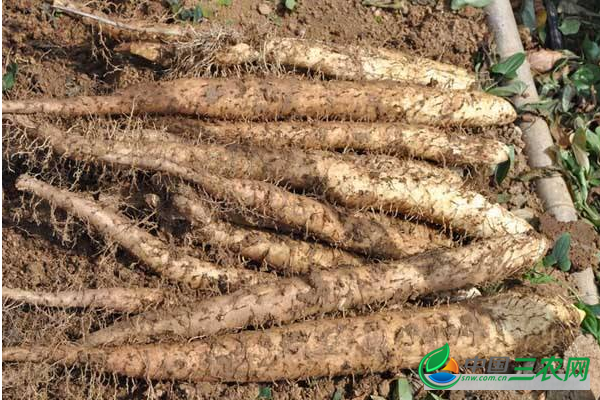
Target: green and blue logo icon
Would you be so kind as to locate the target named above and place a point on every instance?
(432, 363)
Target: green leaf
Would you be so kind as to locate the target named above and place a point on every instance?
(197, 14)
(338, 394)
(458, 4)
(528, 15)
(595, 308)
(290, 4)
(437, 358)
(568, 94)
(590, 323)
(264, 392)
(560, 252)
(549, 260)
(508, 67)
(585, 76)
(593, 141)
(224, 3)
(175, 6)
(502, 169)
(8, 79)
(569, 26)
(537, 278)
(564, 264)
(402, 390)
(512, 89)
(579, 148)
(591, 50)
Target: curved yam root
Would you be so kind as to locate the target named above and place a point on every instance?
(147, 248)
(365, 233)
(397, 139)
(512, 324)
(351, 63)
(278, 251)
(411, 187)
(116, 299)
(262, 99)
(120, 29)
(291, 299)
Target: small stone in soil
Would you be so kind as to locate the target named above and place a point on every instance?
(264, 9)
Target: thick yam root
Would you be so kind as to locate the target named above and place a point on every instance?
(380, 182)
(351, 63)
(147, 248)
(262, 99)
(365, 233)
(116, 299)
(280, 252)
(390, 138)
(329, 290)
(511, 324)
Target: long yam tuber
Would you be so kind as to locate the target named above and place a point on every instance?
(262, 99)
(115, 298)
(360, 232)
(280, 252)
(350, 62)
(393, 138)
(329, 290)
(147, 248)
(511, 324)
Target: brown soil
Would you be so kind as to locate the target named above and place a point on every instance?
(59, 56)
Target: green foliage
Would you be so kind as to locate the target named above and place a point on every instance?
(8, 79)
(560, 253)
(402, 390)
(338, 394)
(194, 15)
(264, 392)
(224, 3)
(503, 74)
(458, 4)
(508, 67)
(569, 98)
(536, 277)
(502, 169)
(527, 14)
(290, 4)
(591, 50)
(590, 323)
(569, 26)
(513, 88)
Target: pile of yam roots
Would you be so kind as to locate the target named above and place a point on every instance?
(323, 229)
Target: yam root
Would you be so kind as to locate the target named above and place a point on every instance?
(351, 62)
(115, 298)
(123, 30)
(280, 252)
(379, 182)
(147, 248)
(354, 231)
(390, 138)
(511, 324)
(269, 99)
(329, 290)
